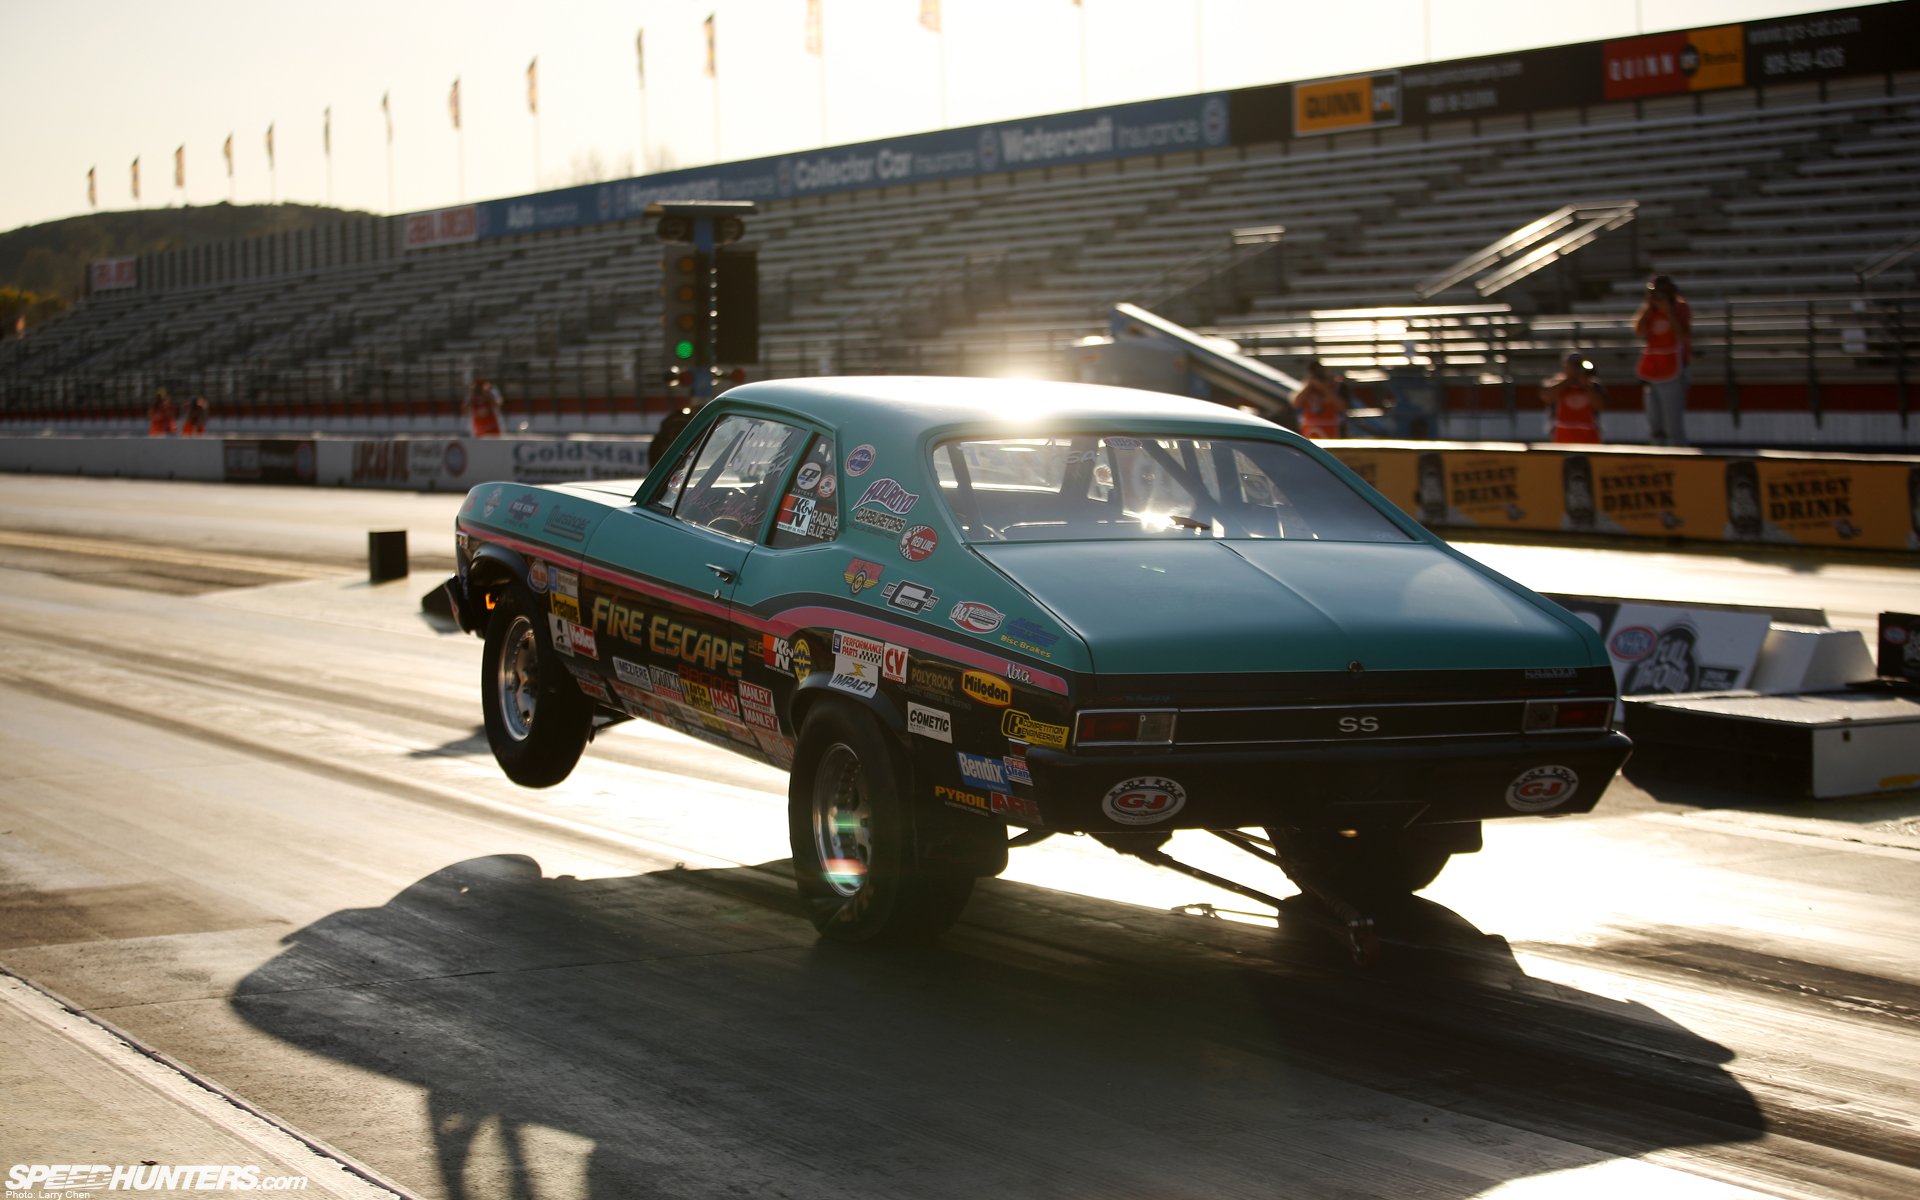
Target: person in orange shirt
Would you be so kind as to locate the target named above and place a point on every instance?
(483, 408)
(1665, 323)
(160, 415)
(1318, 404)
(1574, 399)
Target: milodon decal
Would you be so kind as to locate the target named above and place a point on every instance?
(987, 689)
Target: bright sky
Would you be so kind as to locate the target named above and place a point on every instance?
(97, 83)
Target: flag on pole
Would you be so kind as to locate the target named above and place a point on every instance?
(453, 102)
(640, 53)
(533, 86)
(326, 131)
(93, 198)
(386, 110)
(228, 151)
(814, 43)
(269, 145)
(180, 166)
(713, 61)
(136, 177)
(930, 14)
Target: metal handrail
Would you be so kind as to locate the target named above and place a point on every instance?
(1534, 245)
(1870, 268)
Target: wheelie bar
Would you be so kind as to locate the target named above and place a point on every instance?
(1330, 912)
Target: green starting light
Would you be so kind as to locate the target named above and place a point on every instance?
(683, 349)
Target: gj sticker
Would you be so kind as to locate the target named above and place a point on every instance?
(1145, 800)
(1542, 788)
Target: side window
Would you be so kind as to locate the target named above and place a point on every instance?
(810, 511)
(670, 494)
(739, 468)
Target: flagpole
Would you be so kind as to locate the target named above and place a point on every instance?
(533, 105)
(326, 141)
(640, 56)
(386, 110)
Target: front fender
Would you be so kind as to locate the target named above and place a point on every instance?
(491, 569)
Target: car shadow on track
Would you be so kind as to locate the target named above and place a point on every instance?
(688, 1025)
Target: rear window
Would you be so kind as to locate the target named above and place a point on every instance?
(1105, 487)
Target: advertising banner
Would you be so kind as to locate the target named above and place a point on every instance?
(1349, 102)
(277, 461)
(1831, 502)
(442, 227)
(1686, 61)
(1495, 489)
(107, 274)
(1644, 495)
(1390, 472)
(1660, 649)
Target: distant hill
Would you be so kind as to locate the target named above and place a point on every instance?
(51, 259)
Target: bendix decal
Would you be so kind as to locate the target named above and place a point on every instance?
(1144, 800)
(1542, 788)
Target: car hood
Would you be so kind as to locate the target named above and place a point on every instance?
(1172, 607)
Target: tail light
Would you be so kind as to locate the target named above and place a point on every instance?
(1564, 716)
(1124, 727)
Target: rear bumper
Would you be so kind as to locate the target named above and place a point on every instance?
(1349, 785)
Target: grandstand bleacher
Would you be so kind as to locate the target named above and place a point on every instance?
(1765, 203)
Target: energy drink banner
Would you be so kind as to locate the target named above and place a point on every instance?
(1784, 500)
(1645, 495)
(1833, 502)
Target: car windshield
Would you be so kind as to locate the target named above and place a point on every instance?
(1088, 487)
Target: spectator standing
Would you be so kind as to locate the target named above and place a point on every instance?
(484, 409)
(160, 414)
(194, 422)
(1319, 404)
(1665, 325)
(1574, 400)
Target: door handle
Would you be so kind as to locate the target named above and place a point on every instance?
(726, 576)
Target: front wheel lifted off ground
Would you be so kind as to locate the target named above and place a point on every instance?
(537, 720)
(858, 848)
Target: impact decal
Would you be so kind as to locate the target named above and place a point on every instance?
(1144, 800)
(1542, 788)
(852, 675)
(919, 542)
(987, 689)
(1021, 727)
(891, 495)
(908, 597)
(861, 575)
(975, 617)
(978, 768)
(930, 722)
(859, 459)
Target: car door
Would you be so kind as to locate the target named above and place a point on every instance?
(658, 592)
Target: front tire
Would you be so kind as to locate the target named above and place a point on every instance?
(537, 720)
(858, 845)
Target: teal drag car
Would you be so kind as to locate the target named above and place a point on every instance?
(967, 614)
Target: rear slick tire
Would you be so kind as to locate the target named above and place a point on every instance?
(537, 719)
(858, 857)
